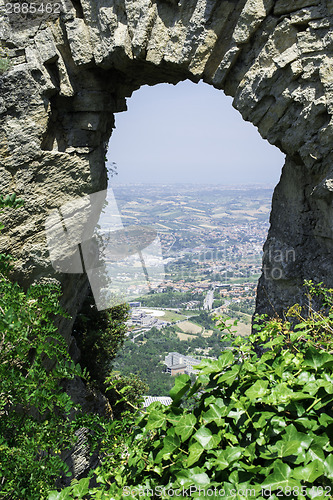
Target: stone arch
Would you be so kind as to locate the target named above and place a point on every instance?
(71, 73)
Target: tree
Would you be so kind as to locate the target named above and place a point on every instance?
(99, 335)
(125, 393)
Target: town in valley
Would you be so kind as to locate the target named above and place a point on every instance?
(211, 241)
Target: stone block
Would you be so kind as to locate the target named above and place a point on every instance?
(326, 71)
(308, 42)
(79, 41)
(251, 17)
(303, 16)
(296, 68)
(284, 36)
(287, 6)
(261, 109)
(225, 65)
(47, 50)
(319, 23)
(66, 88)
(287, 56)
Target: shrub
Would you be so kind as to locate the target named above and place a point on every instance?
(262, 424)
(125, 393)
(100, 334)
(33, 427)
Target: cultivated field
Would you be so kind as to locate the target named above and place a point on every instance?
(189, 327)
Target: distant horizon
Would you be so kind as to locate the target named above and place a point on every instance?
(196, 184)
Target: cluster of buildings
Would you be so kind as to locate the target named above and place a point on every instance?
(192, 304)
(185, 286)
(237, 290)
(179, 363)
(141, 318)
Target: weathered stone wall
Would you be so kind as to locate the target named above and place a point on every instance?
(70, 75)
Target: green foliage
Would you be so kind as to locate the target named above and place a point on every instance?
(258, 423)
(124, 392)
(204, 319)
(33, 408)
(8, 201)
(4, 61)
(11, 201)
(317, 322)
(33, 363)
(169, 299)
(38, 419)
(144, 360)
(217, 303)
(99, 335)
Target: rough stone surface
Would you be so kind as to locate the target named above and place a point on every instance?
(80, 457)
(69, 76)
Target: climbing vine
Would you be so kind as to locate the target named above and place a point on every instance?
(261, 424)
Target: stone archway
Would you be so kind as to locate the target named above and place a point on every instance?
(69, 75)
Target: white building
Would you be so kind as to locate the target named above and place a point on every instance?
(174, 358)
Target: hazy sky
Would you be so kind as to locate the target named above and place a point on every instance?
(189, 133)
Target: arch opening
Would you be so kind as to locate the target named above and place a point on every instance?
(194, 170)
(68, 77)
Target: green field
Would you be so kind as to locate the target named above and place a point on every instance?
(173, 316)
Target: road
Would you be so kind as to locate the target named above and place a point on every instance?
(208, 302)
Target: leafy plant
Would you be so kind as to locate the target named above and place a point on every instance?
(100, 334)
(125, 392)
(33, 408)
(9, 201)
(4, 61)
(38, 420)
(262, 424)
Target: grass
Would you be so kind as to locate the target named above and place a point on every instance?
(171, 316)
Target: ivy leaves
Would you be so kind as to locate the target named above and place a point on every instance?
(182, 385)
(262, 422)
(185, 426)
